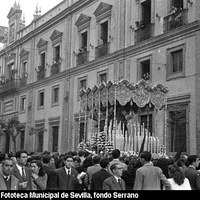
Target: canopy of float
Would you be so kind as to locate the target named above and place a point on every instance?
(141, 93)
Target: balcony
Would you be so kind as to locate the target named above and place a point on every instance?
(22, 82)
(41, 74)
(144, 32)
(102, 50)
(82, 57)
(8, 86)
(55, 68)
(175, 19)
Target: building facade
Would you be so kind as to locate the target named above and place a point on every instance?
(81, 43)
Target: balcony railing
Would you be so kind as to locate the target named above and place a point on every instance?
(82, 57)
(176, 19)
(22, 82)
(143, 33)
(9, 86)
(102, 50)
(55, 68)
(41, 74)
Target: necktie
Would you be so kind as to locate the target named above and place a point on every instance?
(68, 177)
(23, 173)
(6, 178)
(120, 183)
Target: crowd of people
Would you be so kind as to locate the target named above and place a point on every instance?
(86, 171)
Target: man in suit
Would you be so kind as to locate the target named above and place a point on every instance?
(7, 180)
(22, 172)
(116, 156)
(92, 169)
(191, 173)
(149, 177)
(100, 176)
(51, 174)
(67, 175)
(115, 182)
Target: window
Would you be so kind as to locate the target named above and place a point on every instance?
(103, 20)
(23, 69)
(22, 139)
(178, 127)
(104, 32)
(144, 68)
(55, 130)
(84, 41)
(57, 53)
(42, 60)
(55, 95)
(176, 62)
(82, 84)
(11, 71)
(23, 104)
(41, 99)
(82, 56)
(102, 77)
(146, 12)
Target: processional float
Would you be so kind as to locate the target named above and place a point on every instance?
(115, 105)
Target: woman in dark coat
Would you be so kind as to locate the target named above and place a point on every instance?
(128, 175)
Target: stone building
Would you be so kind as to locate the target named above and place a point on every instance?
(81, 43)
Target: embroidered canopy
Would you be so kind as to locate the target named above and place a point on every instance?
(141, 93)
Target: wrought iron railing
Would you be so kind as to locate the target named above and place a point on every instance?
(22, 82)
(9, 86)
(82, 57)
(176, 19)
(41, 74)
(143, 33)
(102, 50)
(55, 68)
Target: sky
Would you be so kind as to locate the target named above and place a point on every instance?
(28, 8)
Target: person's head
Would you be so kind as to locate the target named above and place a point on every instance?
(46, 159)
(116, 169)
(145, 157)
(104, 162)
(96, 159)
(68, 161)
(7, 166)
(163, 164)
(37, 167)
(81, 153)
(21, 157)
(116, 153)
(76, 161)
(176, 174)
(193, 160)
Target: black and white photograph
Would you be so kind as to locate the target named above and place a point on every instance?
(99, 98)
